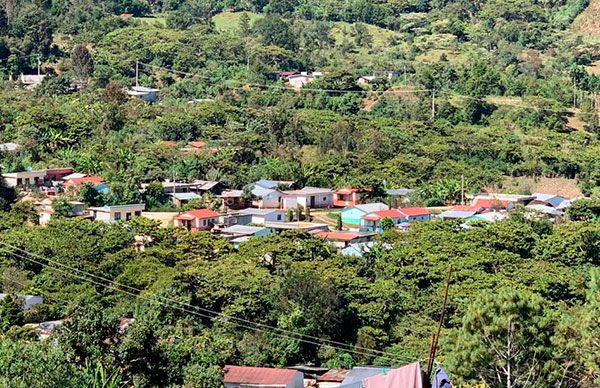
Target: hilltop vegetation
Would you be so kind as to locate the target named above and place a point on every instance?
(486, 90)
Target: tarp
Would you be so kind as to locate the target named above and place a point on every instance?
(408, 376)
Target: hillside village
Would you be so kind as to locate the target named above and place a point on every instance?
(348, 217)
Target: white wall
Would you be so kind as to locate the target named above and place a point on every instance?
(321, 200)
(271, 201)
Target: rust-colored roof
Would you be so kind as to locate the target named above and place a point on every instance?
(491, 203)
(414, 211)
(202, 213)
(466, 208)
(333, 376)
(86, 179)
(197, 144)
(339, 235)
(168, 143)
(350, 190)
(247, 375)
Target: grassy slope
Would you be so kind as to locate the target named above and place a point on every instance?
(587, 24)
(230, 21)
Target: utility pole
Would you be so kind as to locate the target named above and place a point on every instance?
(436, 337)
(39, 66)
(137, 72)
(405, 73)
(433, 104)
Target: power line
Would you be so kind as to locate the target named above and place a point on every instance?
(281, 87)
(241, 322)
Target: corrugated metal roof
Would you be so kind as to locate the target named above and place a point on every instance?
(258, 375)
(371, 207)
(242, 230)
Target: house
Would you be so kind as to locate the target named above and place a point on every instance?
(352, 215)
(498, 201)
(308, 197)
(30, 81)
(74, 184)
(115, 213)
(237, 234)
(258, 377)
(348, 197)
(149, 95)
(359, 249)
(297, 81)
(9, 147)
(199, 219)
(332, 378)
(550, 200)
(489, 216)
(24, 179)
(72, 176)
(544, 210)
(203, 187)
(28, 300)
(167, 144)
(460, 212)
(305, 226)
(358, 374)
(233, 199)
(398, 197)
(365, 79)
(58, 174)
(263, 216)
(267, 198)
(268, 184)
(182, 199)
(77, 210)
(284, 75)
(342, 239)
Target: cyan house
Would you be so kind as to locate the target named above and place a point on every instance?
(352, 215)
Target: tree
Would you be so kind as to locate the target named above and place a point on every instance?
(10, 312)
(589, 115)
(82, 63)
(273, 30)
(62, 207)
(504, 341)
(387, 224)
(362, 36)
(338, 221)
(244, 25)
(90, 196)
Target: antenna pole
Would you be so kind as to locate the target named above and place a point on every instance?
(137, 73)
(436, 337)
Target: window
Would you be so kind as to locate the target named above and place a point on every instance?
(117, 216)
(127, 216)
(138, 213)
(278, 217)
(324, 199)
(204, 222)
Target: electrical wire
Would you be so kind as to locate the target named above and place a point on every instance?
(240, 322)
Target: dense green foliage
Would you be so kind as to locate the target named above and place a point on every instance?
(388, 300)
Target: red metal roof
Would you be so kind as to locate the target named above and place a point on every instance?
(257, 375)
(202, 213)
(168, 143)
(86, 179)
(197, 144)
(378, 215)
(414, 211)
